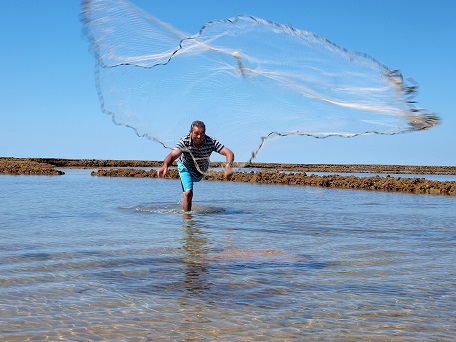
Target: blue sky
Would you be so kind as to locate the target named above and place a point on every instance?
(49, 106)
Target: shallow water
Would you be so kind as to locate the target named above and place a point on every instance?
(96, 258)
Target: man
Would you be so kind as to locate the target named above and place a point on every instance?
(192, 153)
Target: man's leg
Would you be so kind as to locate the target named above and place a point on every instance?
(187, 187)
(187, 197)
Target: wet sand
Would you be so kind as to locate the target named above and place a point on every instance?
(262, 173)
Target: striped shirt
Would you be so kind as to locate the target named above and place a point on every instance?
(196, 159)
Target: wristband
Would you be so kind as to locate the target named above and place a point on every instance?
(229, 163)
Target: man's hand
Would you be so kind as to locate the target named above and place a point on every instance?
(228, 172)
(229, 161)
(168, 161)
(162, 171)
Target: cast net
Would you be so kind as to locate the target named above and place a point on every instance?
(250, 80)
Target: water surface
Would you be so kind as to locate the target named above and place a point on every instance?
(96, 258)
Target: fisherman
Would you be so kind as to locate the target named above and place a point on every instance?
(192, 153)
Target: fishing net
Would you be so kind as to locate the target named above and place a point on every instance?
(250, 80)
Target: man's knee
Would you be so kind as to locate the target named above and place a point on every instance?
(188, 193)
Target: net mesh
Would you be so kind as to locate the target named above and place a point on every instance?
(250, 80)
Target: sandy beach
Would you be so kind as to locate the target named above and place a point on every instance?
(262, 173)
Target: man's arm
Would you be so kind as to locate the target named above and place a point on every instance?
(170, 158)
(229, 162)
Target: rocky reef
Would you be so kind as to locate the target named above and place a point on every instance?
(261, 173)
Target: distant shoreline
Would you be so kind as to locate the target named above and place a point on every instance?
(261, 173)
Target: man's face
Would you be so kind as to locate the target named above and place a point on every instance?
(197, 134)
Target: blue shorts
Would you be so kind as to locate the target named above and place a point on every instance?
(187, 179)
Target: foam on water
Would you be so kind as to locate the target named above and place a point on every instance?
(174, 208)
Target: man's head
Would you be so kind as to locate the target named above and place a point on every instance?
(198, 124)
(197, 132)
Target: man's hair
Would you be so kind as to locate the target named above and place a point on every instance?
(198, 124)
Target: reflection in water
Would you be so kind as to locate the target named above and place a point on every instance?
(194, 306)
(195, 244)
